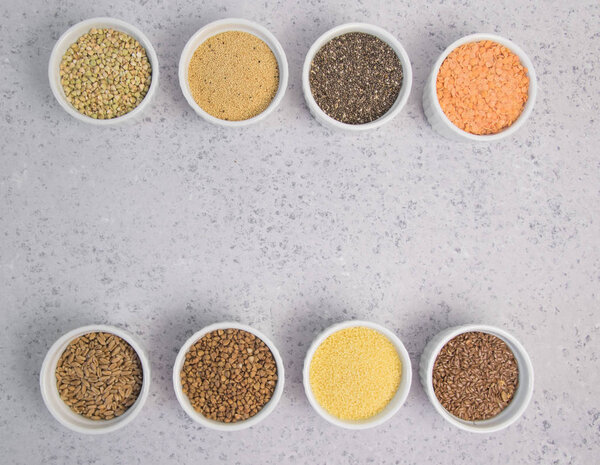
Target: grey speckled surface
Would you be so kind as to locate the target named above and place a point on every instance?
(172, 224)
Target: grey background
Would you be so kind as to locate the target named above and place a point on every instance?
(172, 224)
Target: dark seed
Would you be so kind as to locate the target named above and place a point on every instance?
(355, 78)
(475, 376)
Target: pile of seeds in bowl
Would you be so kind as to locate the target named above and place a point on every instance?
(229, 375)
(475, 376)
(105, 74)
(233, 76)
(99, 376)
(355, 78)
(482, 87)
(355, 373)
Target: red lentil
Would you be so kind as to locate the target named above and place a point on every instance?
(482, 87)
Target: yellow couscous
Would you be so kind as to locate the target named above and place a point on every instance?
(355, 373)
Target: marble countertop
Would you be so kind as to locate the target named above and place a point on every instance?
(172, 224)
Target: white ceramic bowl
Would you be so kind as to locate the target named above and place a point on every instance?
(394, 404)
(438, 119)
(62, 412)
(224, 25)
(184, 401)
(385, 36)
(522, 395)
(70, 37)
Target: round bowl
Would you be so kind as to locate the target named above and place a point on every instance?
(438, 119)
(224, 25)
(70, 37)
(395, 403)
(522, 395)
(380, 33)
(184, 401)
(62, 412)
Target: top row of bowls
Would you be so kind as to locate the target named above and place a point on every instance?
(431, 103)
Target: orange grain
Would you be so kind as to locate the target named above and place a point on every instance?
(482, 87)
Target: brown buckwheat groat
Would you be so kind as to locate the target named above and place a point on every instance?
(229, 375)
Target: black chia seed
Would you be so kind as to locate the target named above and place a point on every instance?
(355, 78)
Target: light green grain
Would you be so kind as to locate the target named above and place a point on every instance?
(105, 74)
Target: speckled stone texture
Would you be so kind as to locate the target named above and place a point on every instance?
(172, 224)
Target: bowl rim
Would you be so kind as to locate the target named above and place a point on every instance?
(102, 22)
(234, 24)
(50, 393)
(525, 369)
(531, 96)
(183, 400)
(389, 39)
(401, 393)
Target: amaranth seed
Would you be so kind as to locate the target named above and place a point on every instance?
(233, 76)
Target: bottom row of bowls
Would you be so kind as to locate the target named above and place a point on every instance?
(229, 376)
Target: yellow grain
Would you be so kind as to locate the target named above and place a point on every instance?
(355, 373)
(233, 76)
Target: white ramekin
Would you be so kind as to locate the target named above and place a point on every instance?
(438, 119)
(522, 395)
(392, 407)
(184, 401)
(385, 36)
(224, 25)
(70, 37)
(62, 412)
